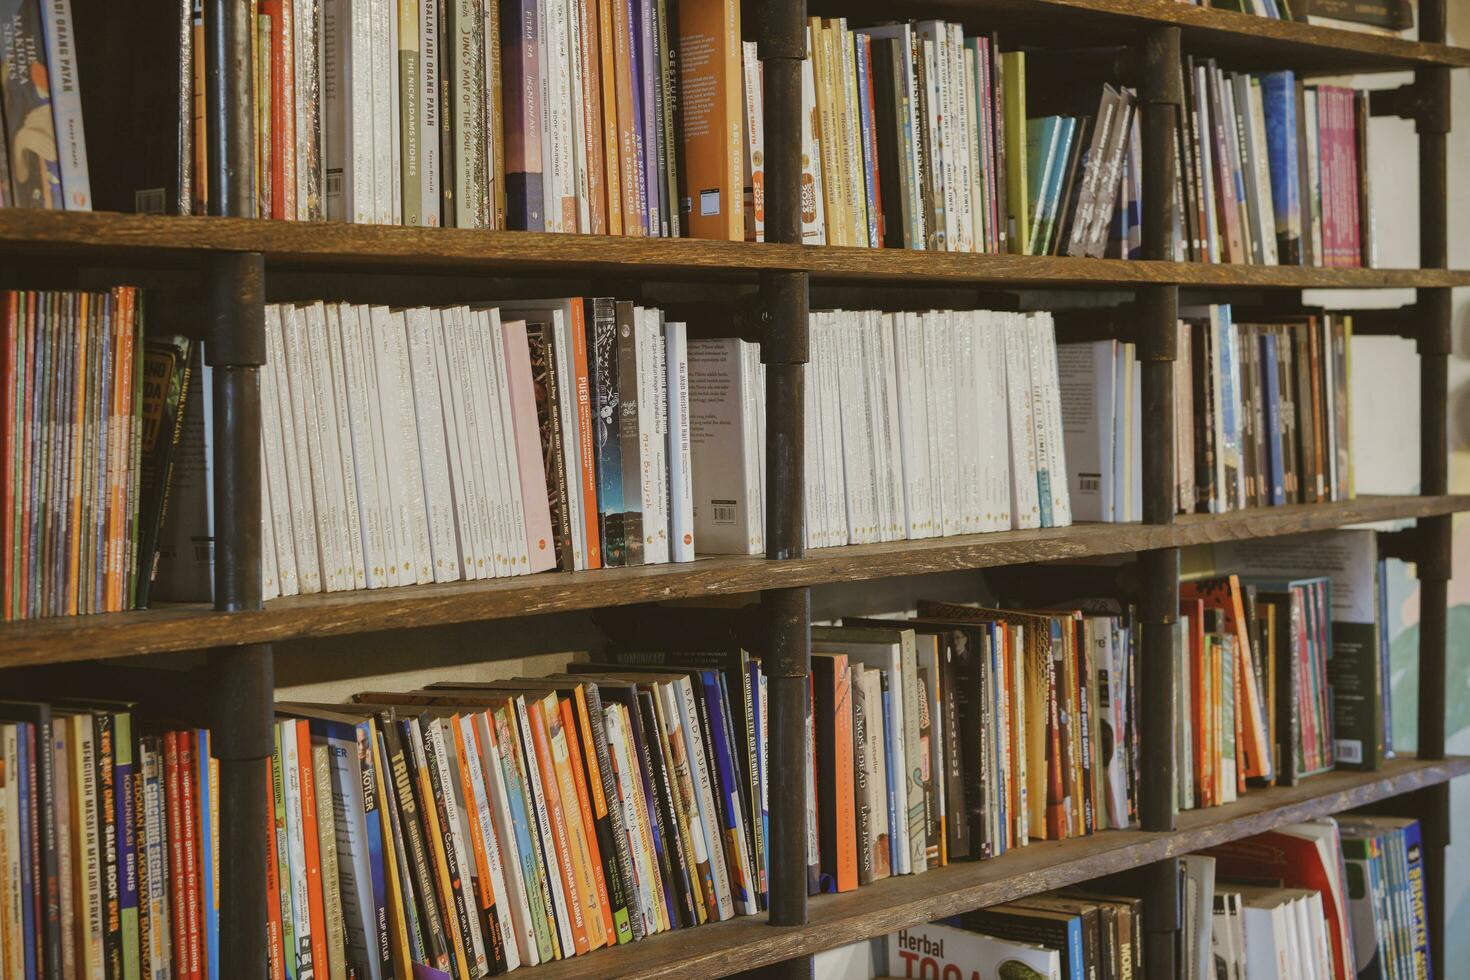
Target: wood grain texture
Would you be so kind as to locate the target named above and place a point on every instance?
(1236, 40)
(157, 240)
(896, 903)
(173, 628)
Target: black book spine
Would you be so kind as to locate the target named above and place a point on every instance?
(166, 376)
(1393, 15)
(415, 936)
(1085, 709)
(104, 733)
(1305, 417)
(544, 377)
(956, 813)
(628, 409)
(824, 708)
(431, 924)
(895, 231)
(602, 366)
(673, 863)
(970, 697)
(612, 837)
(1204, 414)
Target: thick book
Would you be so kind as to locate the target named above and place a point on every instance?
(710, 87)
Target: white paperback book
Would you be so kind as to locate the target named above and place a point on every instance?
(331, 443)
(338, 398)
(433, 448)
(1085, 377)
(365, 449)
(650, 438)
(368, 403)
(395, 387)
(479, 466)
(487, 355)
(923, 326)
(278, 515)
(1025, 502)
(720, 443)
(681, 477)
(304, 393)
(839, 513)
(463, 473)
(294, 451)
(483, 432)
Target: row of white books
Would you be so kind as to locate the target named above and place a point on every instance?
(918, 425)
(408, 446)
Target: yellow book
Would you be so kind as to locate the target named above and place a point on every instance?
(833, 175)
(857, 183)
(1013, 77)
(587, 891)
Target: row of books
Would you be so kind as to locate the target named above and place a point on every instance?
(1262, 415)
(43, 152)
(919, 137)
(1369, 16)
(81, 405)
(1271, 171)
(109, 844)
(932, 424)
(434, 445)
(1333, 899)
(917, 425)
(541, 115)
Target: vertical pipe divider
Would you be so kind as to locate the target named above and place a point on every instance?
(781, 45)
(1161, 95)
(1433, 566)
(242, 682)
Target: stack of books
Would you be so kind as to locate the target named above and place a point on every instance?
(458, 443)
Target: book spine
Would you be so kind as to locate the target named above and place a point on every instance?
(606, 816)
(66, 105)
(27, 93)
(524, 196)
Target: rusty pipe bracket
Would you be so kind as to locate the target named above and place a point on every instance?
(1433, 321)
(1426, 545)
(1425, 100)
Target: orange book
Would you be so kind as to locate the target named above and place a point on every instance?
(579, 781)
(10, 337)
(836, 789)
(607, 91)
(1194, 611)
(282, 98)
(274, 952)
(316, 906)
(119, 445)
(466, 756)
(74, 556)
(588, 894)
(593, 551)
(1252, 749)
(546, 766)
(711, 86)
(635, 217)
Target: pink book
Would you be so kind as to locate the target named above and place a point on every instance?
(1327, 168)
(529, 459)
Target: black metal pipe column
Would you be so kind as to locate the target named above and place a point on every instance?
(1434, 561)
(242, 684)
(784, 299)
(1161, 96)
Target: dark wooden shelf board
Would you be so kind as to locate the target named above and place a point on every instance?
(131, 240)
(1237, 40)
(897, 903)
(173, 628)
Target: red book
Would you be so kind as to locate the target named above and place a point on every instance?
(192, 967)
(309, 833)
(1297, 856)
(173, 789)
(9, 339)
(578, 331)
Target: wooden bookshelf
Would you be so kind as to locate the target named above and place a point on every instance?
(175, 627)
(234, 258)
(899, 902)
(180, 242)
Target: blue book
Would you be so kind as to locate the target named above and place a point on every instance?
(525, 848)
(1055, 182)
(861, 53)
(890, 751)
(1231, 493)
(726, 786)
(1414, 860)
(1275, 460)
(1278, 99)
(354, 868)
(209, 865)
(997, 671)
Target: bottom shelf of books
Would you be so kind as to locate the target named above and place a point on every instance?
(903, 901)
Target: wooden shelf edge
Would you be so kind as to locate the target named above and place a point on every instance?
(155, 239)
(172, 629)
(900, 902)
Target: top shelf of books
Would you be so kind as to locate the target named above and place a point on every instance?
(1239, 41)
(133, 240)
